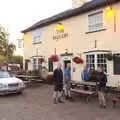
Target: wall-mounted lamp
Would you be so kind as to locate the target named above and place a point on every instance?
(111, 14)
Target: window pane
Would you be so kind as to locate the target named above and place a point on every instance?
(95, 21)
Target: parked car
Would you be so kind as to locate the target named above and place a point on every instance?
(9, 84)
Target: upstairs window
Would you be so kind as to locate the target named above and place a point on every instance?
(36, 36)
(95, 22)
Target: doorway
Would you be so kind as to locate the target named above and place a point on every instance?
(66, 62)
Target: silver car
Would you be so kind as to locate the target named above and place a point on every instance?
(9, 84)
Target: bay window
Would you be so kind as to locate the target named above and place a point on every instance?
(95, 60)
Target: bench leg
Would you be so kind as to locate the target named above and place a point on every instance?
(87, 98)
(114, 104)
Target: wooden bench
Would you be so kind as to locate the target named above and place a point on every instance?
(116, 99)
(87, 93)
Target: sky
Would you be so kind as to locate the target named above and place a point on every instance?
(17, 15)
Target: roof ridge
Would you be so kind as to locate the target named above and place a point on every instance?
(91, 5)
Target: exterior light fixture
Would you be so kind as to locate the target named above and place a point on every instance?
(111, 15)
(110, 12)
(60, 27)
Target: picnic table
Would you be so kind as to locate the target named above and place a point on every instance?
(86, 93)
(83, 83)
(79, 87)
(29, 78)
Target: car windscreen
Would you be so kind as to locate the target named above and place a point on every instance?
(4, 75)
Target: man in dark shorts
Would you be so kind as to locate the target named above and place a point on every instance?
(58, 84)
(101, 80)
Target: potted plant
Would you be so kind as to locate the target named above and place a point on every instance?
(54, 58)
(109, 56)
(41, 60)
(78, 60)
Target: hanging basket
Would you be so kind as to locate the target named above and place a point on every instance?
(41, 60)
(109, 56)
(78, 60)
(54, 58)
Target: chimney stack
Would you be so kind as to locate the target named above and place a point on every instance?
(78, 3)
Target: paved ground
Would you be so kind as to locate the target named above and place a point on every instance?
(36, 104)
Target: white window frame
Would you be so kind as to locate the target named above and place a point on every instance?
(95, 62)
(99, 22)
(35, 66)
(38, 64)
(36, 36)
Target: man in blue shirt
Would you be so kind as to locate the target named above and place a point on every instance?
(85, 74)
(67, 82)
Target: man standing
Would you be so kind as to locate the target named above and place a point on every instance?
(101, 80)
(85, 74)
(67, 82)
(58, 84)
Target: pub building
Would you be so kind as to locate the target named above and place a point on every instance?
(87, 34)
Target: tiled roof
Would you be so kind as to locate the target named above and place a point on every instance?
(94, 4)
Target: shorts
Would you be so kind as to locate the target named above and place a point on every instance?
(67, 85)
(58, 88)
(102, 89)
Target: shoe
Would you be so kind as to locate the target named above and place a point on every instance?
(60, 101)
(101, 106)
(104, 106)
(55, 102)
(66, 98)
(71, 99)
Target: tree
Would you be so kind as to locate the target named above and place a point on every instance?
(3, 41)
(10, 50)
(16, 59)
(6, 49)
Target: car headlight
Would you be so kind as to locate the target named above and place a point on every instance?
(3, 86)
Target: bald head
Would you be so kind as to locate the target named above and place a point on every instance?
(59, 65)
(68, 65)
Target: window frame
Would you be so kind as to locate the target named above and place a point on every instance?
(98, 28)
(36, 37)
(96, 59)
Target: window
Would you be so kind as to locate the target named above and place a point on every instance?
(117, 64)
(101, 61)
(93, 61)
(36, 36)
(90, 60)
(35, 64)
(95, 22)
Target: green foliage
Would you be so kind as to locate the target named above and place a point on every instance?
(16, 59)
(3, 41)
(6, 49)
(109, 56)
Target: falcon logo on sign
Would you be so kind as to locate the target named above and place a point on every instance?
(60, 32)
(60, 28)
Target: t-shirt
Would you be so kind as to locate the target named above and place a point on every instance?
(67, 74)
(85, 75)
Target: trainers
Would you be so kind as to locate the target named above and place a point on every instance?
(104, 106)
(55, 102)
(66, 98)
(60, 101)
(71, 99)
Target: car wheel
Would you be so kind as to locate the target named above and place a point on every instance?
(19, 93)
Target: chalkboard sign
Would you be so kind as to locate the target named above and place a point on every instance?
(117, 64)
